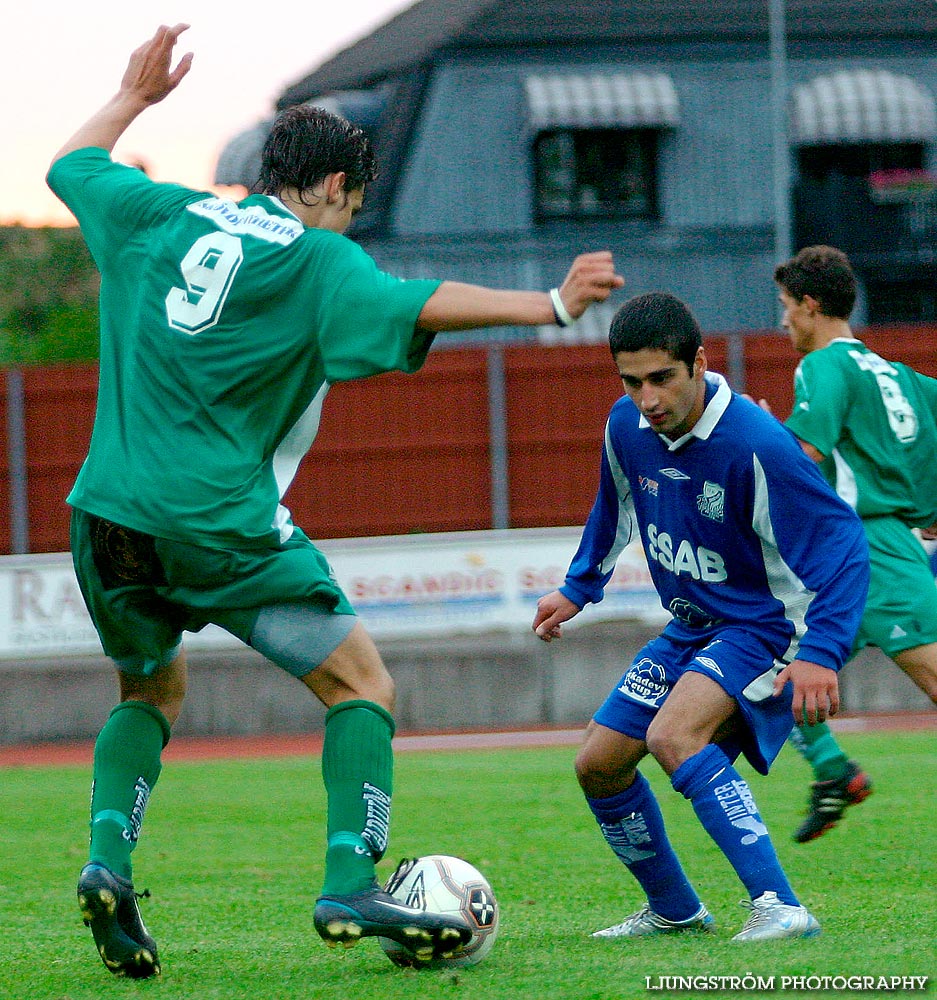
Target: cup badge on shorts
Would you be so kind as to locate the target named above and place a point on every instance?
(645, 681)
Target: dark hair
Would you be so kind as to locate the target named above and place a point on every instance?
(824, 273)
(657, 321)
(306, 144)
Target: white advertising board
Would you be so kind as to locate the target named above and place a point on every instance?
(402, 587)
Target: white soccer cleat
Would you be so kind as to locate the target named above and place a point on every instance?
(646, 922)
(772, 920)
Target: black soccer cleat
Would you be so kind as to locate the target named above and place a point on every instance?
(829, 799)
(345, 919)
(109, 907)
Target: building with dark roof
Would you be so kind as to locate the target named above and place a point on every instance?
(678, 134)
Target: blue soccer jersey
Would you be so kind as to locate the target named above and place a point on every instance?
(739, 528)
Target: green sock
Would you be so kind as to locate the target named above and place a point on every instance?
(126, 767)
(817, 745)
(357, 768)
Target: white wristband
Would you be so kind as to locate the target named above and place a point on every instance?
(560, 312)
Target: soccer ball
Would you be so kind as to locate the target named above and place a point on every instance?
(439, 883)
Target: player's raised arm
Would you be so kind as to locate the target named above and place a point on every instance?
(458, 306)
(146, 81)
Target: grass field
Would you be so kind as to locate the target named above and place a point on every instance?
(232, 853)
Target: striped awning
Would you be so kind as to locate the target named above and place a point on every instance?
(862, 106)
(598, 100)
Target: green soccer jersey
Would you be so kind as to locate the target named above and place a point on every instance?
(876, 421)
(223, 325)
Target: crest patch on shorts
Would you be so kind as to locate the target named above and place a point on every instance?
(646, 682)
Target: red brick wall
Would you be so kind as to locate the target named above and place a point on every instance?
(400, 453)
(408, 453)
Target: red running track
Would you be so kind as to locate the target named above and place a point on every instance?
(276, 745)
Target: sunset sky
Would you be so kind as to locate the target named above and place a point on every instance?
(62, 62)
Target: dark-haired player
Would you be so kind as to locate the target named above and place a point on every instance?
(764, 570)
(871, 425)
(223, 325)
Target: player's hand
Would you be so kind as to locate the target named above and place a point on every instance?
(552, 610)
(763, 403)
(148, 77)
(816, 691)
(591, 278)
(147, 80)
(929, 534)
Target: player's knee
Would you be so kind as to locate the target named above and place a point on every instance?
(929, 681)
(367, 683)
(375, 684)
(599, 776)
(920, 665)
(668, 745)
(583, 767)
(383, 691)
(163, 691)
(172, 708)
(171, 700)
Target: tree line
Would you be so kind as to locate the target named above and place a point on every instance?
(48, 297)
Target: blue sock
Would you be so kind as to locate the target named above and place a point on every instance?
(724, 804)
(632, 824)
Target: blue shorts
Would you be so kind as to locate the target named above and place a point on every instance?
(737, 661)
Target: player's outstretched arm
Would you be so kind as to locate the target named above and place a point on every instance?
(146, 81)
(458, 306)
(552, 610)
(808, 448)
(763, 403)
(816, 691)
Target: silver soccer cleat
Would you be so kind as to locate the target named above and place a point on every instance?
(772, 920)
(646, 921)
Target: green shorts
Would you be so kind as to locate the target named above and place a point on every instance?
(901, 610)
(142, 592)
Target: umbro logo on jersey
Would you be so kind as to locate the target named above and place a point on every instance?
(897, 633)
(674, 474)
